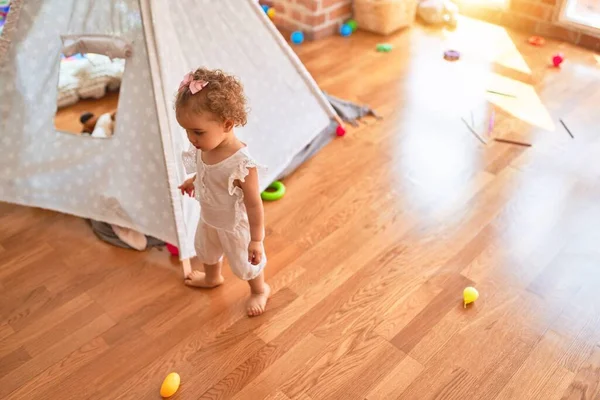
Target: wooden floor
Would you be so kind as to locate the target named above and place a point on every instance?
(369, 251)
(67, 118)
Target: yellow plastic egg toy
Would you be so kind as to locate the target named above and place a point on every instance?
(271, 12)
(470, 294)
(170, 385)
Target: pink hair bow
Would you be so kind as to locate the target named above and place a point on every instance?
(194, 85)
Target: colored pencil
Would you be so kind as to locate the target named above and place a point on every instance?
(512, 142)
(502, 94)
(473, 131)
(567, 129)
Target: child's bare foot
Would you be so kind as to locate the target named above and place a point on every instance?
(199, 279)
(258, 302)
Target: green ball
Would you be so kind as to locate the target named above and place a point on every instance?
(352, 24)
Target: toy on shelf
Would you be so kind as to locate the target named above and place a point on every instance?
(340, 130)
(265, 8)
(271, 12)
(297, 37)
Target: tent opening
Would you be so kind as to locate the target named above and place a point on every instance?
(88, 94)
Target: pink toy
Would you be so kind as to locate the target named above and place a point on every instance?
(558, 59)
(340, 131)
(173, 250)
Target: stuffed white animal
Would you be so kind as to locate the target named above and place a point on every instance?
(437, 12)
(104, 126)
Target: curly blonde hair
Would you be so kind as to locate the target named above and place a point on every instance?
(223, 96)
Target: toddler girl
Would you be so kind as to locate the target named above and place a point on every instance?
(209, 104)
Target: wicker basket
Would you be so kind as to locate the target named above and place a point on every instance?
(384, 16)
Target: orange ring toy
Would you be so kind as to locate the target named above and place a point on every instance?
(537, 40)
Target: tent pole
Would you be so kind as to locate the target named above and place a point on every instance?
(146, 9)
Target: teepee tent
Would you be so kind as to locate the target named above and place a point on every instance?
(131, 179)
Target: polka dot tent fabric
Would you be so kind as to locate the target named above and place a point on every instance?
(131, 179)
(115, 180)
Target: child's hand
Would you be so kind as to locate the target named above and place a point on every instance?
(187, 187)
(255, 252)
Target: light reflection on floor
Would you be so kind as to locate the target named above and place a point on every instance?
(437, 153)
(527, 106)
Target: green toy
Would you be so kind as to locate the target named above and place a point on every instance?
(384, 47)
(275, 191)
(352, 24)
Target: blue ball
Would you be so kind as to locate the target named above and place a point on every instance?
(297, 37)
(265, 8)
(345, 30)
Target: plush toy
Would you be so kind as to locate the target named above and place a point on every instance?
(98, 126)
(437, 12)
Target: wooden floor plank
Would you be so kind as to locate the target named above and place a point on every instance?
(586, 384)
(540, 367)
(277, 373)
(204, 358)
(52, 353)
(13, 360)
(280, 345)
(277, 396)
(447, 299)
(444, 383)
(357, 372)
(396, 381)
(40, 383)
(42, 325)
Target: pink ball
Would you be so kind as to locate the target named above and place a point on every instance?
(173, 250)
(558, 59)
(340, 131)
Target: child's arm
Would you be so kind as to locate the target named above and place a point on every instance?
(188, 186)
(254, 208)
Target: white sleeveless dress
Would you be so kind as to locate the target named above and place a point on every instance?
(223, 228)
